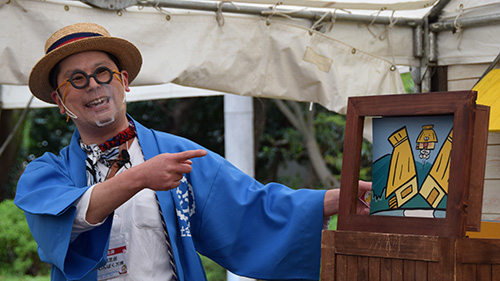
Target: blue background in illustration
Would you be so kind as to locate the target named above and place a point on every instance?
(382, 150)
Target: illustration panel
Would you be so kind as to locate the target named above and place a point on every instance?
(411, 164)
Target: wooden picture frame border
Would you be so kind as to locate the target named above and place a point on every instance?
(461, 105)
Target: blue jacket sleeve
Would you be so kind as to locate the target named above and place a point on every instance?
(260, 231)
(255, 230)
(46, 192)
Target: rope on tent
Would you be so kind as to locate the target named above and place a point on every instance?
(319, 23)
(373, 23)
(389, 28)
(457, 27)
(16, 127)
(332, 21)
(160, 9)
(386, 34)
(274, 11)
(218, 14)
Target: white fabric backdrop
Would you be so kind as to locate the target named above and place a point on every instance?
(471, 45)
(243, 56)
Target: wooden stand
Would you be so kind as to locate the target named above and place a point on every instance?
(349, 255)
(400, 248)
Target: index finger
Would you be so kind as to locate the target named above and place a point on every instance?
(189, 154)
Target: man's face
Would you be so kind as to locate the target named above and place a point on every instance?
(96, 104)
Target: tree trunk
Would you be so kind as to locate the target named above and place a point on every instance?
(305, 125)
(8, 157)
(320, 168)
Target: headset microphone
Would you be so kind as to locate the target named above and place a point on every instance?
(125, 160)
(126, 156)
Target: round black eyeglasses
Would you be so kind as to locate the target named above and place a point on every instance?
(102, 75)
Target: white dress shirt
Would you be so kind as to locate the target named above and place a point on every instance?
(136, 226)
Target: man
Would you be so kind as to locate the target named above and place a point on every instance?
(129, 203)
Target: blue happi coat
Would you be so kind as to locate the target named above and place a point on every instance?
(260, 231)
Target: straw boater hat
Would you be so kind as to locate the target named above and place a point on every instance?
(78, 38)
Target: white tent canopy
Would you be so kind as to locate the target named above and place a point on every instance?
(315, 51)
(248, 55)
(477, 42)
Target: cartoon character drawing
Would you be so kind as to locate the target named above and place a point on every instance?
(435, 185)
(402, 179)
(426, 141)
(404, 182)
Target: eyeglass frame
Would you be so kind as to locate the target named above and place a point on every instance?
(88, 76)
(70, 80)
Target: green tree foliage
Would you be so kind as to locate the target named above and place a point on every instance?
(48, 131)
(408, 82)
(44, 130)
(283, 143)
(213, 271)
(18, 254)
(277, 143)
(329, 131)
(198, 119)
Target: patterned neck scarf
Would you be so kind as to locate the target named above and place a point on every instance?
(105, 153)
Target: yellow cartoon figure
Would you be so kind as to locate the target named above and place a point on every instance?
(426, 141)
(435, 185)
(402, 179)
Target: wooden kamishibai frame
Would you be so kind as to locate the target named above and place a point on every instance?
(366, 247)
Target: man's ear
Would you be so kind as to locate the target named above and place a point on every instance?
(125, 80)
(55, 96)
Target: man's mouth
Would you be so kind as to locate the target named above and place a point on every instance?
(97, 102)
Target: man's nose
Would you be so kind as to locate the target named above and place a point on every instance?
(92, 82)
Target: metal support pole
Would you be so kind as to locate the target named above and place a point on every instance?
(238, 127)
(418, 52)
(425, 81)
(240, 8)
(238, 141)
(449, 25)
(437, 10)
(263, 9)
(432, 47)
(417, 41)
(311, 13)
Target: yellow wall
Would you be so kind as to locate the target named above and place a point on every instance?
(463, 77)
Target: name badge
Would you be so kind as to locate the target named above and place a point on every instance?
(115, 264)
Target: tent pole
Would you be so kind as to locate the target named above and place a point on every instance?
(310, 13)
(432, 47)
(239, 141)
(437, 9)
(263, 10)
(465, 23)
(424, 61)
(417, 41)
(418, 49)
(238, 132)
